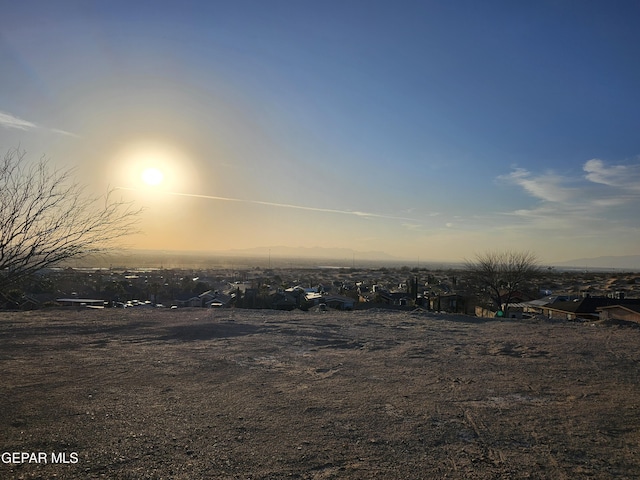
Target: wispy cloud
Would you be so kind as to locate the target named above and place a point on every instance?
(624, 176)
(285, 205)
(413, 226)
(8, 120)
(64, 132)
(601, 196)
(548, 187)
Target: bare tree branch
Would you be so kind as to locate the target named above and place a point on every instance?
(499, 275)
(45, 218)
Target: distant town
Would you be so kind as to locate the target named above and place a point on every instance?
(569, 294)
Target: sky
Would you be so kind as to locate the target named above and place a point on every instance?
(422, 129)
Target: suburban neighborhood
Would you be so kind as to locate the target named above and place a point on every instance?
(555, 294)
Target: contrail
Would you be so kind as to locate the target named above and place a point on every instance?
(281, 205)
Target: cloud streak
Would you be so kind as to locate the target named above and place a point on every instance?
(8, 120)
(602, 196)
(283, 205)
(623, 176)
(546, 187)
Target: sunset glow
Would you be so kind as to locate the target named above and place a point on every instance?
(151, 163)
(428, 130)
(152, 176)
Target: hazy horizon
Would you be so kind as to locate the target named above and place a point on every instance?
(302, 257)
(419, 129)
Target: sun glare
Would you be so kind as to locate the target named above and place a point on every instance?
(152, 176)
(154, 166)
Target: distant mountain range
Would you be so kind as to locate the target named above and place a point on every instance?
(623, 262)
(299, 256)
(308, 255)
(309, 252)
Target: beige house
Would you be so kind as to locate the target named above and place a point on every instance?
(630, 313)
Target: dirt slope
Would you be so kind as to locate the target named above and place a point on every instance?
(268, 395)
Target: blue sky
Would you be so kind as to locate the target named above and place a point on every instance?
(421, 129)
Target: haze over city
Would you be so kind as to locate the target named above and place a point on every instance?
(429, 130)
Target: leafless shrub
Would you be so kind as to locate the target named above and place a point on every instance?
(46, 217)
(499, 275)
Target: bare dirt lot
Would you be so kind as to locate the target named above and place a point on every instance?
(270, 395)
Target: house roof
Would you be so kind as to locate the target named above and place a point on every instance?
(79, 300)
(451, 295)
(395, 295)
(185, 297)
(313, 296)
(211, 294)
(590, 304)
(338, 298)
(631, 308)
(541, 302)
(283, 297)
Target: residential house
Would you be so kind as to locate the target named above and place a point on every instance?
(81, 302)
(215, 299)
(629, 313)
(536, 306)
(339, 302)
(586, 308)
(187, 300)
(394, 298)
(451, 303)
(516, 296)
(313, 298)
(284, 301)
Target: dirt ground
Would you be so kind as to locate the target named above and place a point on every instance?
(270, 395)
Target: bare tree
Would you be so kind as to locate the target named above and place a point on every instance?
(46, 218)
(501, 274)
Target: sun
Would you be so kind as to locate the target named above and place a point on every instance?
(155, 166)
(152, 176)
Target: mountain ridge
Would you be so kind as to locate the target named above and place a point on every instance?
(626, 262)
(310, 252)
